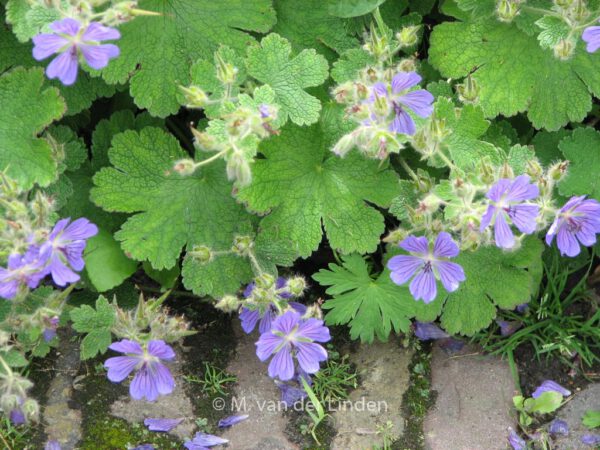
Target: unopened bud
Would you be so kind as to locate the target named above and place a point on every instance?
(534, 168)
(407, 65)
(226, 72)
(203, 140)
(296, 286)
(238, 169)
(242, 245)
(201, 253)
(579, 10)
(313, 311)
(381, 105)
(564, 4)
(558, 171)
(228, 303)
(194, 96)
(430, 203)
(507, 10)
(184, 167)
(265, 281)
(344, 145)
(506, 171)
(396, 236)
(486, 171)
(564, 49)
(31, 409)
(468, 92)
(408, 36)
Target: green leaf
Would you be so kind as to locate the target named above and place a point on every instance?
(370, 306)
(546, 145)
(96, 323)
(353, 8)
(70, 149)
(12, 52)
(308, 24)
(546, 403)
(306, 187)
(105, 263)
(554, 29)
(489, 270)
(28, 19)
(166, 278)
(26, 111)
(157, 51)
(466, 126)
(514, 73)
(346, 68)
(14, 358)
(582, 149)
(409, 196)
(272, 64)
(591, 419)
(172, 211)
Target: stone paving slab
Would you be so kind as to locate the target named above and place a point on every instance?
(384, 375)
(257, 395)
(473, 409)
(572, 412)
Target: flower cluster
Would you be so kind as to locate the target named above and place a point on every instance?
(59, 255)
(384, 110)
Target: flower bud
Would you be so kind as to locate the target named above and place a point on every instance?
(265, 281)
(558, 171)
(238, 169)
(313, 311)
(228, 303)
(202, 140)
(407, 65)
(31, 409)
(242, 245)
(534, 169)
(486, 171)
(362, 91)
(296, 286)
(430, 203)
(564, 49)
(468, 92)
(194, 96)
(381, 106)
(506, 171)
(396, 236)
(226, 72)
(342, 92)
(579, 10)
(408, 36)
(507, 10)
(201, 254)
(184, 167)
(564, 4)
(344, 145)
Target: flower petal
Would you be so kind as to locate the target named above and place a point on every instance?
(414, 244)
(419, 101)
(451, 274)
(404, 80)
(266, 345)
(521, 189)
(550, 386)
(64, 67)
(524, 217)
(426, 331)
(567, 243)
(165, 425)
(126, 346)
(61, 274)
(232, 420)
(248, 319)
(423, 286)
(98, 32)
(79, 229)
(119, 367)
(445, 246)
(403, 123)
(591, 35)
(97, 56)
(403, 267)
(503, 235)
(66, 26)
(160, 349)
(282, 365)
(162, 378)
(309, 356)
(313, 329)
(47, 44)
(286, 322)
(143, 386)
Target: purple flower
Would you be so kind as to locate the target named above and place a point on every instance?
(161, 424)
(516, 442)
(202, 441)
(428, 265)
(21, 270)
(522, 308)
(51, 324)
(506, 204)
(69, 39)
(577, 220)
(591, 36)
(17, 417)
(419, 101)
(508, 327)
(144, 447)
(232, 420)
(249, 317)
(591, 439)
(52, 445)
(427, 331)
(63, 250)
(559, 427)
(550, 386)
(289, 337)
(152, 377)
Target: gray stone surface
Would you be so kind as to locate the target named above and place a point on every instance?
(62, 423)
(383, 370)
(257, 395)
(474, 402)
(573, 411)
(174, 406)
